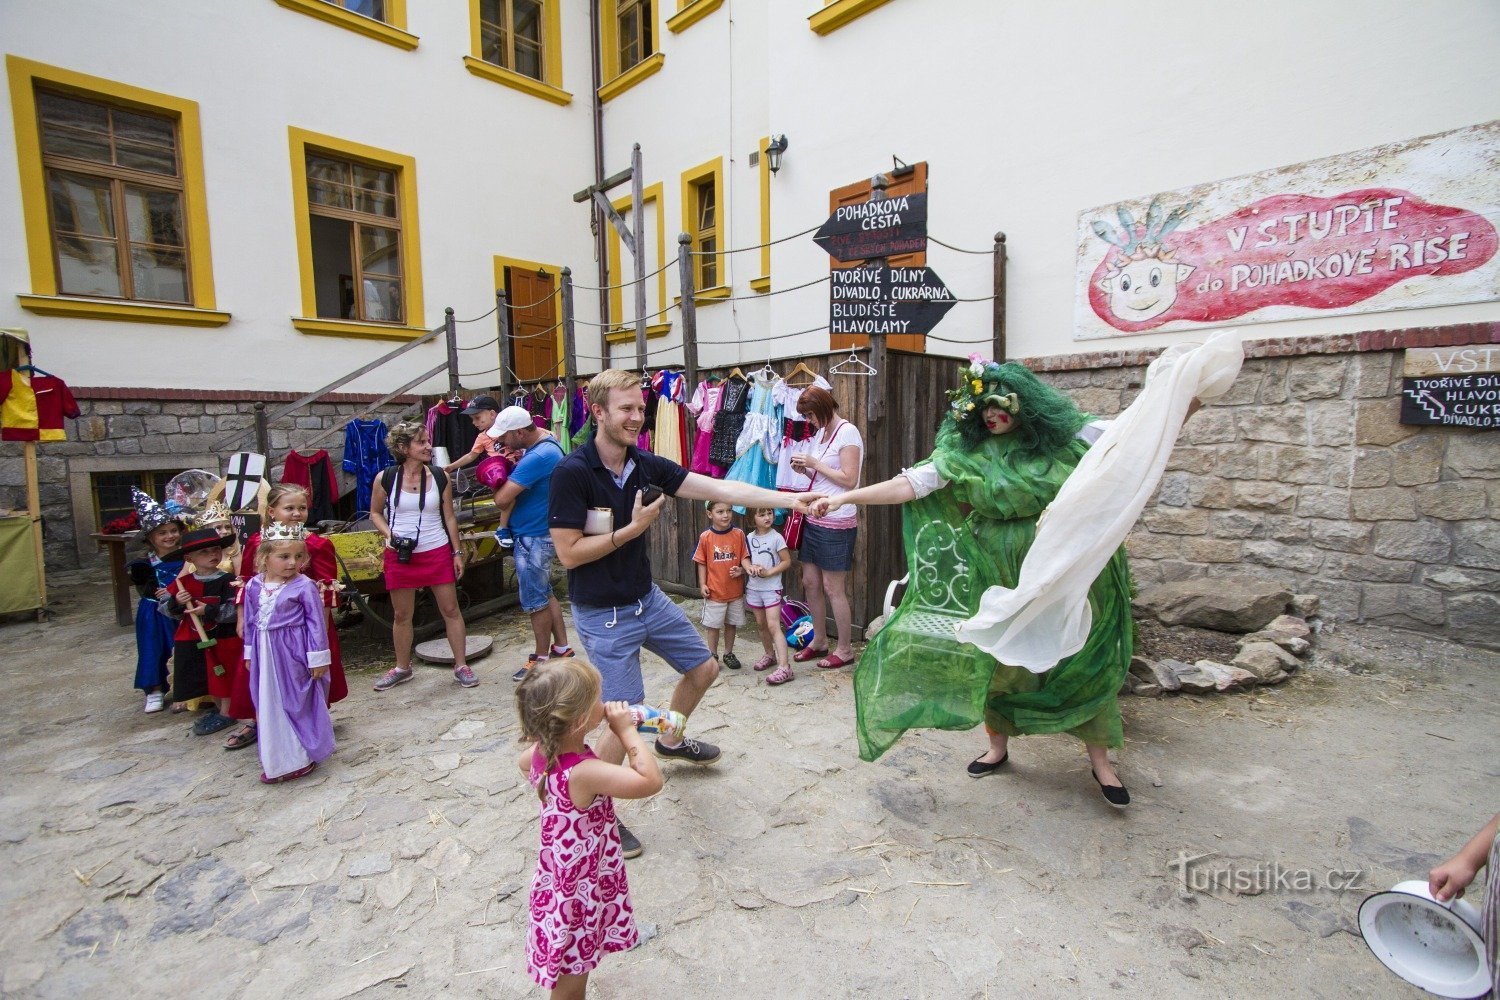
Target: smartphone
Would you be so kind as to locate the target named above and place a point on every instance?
(649, 494)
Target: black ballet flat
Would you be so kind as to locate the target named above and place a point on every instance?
(978, 769)
(1115, 795)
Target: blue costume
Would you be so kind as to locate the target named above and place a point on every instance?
(365, 454)
(153, 630)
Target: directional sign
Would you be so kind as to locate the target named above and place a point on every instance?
(1452, 401)
(878, 299)
(879, 228)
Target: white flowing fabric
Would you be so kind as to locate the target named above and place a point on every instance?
(1046, 617)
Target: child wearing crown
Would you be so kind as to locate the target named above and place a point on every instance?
(286, 651)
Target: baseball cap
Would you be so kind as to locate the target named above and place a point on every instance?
(480, 403)
(512, 418)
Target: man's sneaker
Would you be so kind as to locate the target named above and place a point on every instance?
(731, 661)
(504, 537)
(155, 701)
(629, 845)
(691, 751)
(392, 677)
(531, 660)
(464, 676)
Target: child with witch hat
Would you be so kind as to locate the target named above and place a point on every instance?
(160, 531)
(206, 649)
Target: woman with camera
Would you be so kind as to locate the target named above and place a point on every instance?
(411, 504)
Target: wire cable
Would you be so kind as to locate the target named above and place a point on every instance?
(487, 343)
(977, 253)
(758, 246)
(625, 284)
(949, 340)
(779, 291)
(476, 319)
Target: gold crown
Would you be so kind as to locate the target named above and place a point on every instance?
(214, 513)
(279, 532)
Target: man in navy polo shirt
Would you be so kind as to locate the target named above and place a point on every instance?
(598, 525)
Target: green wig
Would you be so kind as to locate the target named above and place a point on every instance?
(1046, 420)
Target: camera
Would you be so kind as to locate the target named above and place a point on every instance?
(404, 547)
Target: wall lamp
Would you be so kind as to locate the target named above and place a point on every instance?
(774, 149)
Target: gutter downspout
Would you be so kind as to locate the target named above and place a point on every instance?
(601, 255)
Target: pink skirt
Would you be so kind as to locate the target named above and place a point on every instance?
(426, 569)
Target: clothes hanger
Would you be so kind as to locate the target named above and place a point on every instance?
(736, 373)
(519, 392)
(35, 370)
(539, 392)
(856, 366)
(801, 367)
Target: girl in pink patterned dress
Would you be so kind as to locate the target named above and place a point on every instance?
(580, 900)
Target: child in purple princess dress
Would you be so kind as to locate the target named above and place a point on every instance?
(286, 649)
(580, 900)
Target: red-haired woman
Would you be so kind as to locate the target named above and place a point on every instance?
(831, 459)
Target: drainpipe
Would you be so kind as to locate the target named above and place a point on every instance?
(600, 251)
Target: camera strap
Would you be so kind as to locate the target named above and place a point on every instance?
(393, 500)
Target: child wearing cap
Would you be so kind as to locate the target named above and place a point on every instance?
(495, 460)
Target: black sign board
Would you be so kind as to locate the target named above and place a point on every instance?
(878, 299)
(1452, 400)
(882, 227)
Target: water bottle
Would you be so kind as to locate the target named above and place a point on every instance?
(663, 722)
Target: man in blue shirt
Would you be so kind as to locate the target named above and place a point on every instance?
(599, 519)
(526, 492)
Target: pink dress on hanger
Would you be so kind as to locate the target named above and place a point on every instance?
(703, 406)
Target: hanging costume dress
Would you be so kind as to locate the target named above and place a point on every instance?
(365, 454)
(313, 473)
(284, 639)
(703, 406)
(916, 674)
(580, 897)
(758, 443)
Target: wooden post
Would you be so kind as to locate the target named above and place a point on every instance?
(875, 399)
(263, 433)
(450, 334)
(638, 224)
(689, 310)
(502, 323)
(998, 332)
(34, 510)
(570, 346)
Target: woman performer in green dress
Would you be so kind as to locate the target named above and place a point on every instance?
(1004, 450)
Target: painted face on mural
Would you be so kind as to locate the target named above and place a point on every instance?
(1144, 289)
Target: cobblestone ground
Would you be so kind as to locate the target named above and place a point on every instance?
(140, 859)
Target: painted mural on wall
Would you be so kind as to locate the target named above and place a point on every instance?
(1400, 226)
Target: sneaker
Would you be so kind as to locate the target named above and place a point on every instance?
(531, 660)
(464, 676)
(211, 723)
(630, 847)
(505, 538)
(155, 702)
(690, 751)
(392, 677)
(731, 661)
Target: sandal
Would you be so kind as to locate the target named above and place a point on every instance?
(241, 739)
(211, 723)
(289, 776)
(765, 662)
(781, 676)
(809, 654)
(833, 662)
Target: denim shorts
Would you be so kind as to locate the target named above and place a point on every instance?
(613, 637)
(827, 548)
(533, 555)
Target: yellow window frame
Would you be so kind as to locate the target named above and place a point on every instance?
(712, 170)
(303, 140)
(392, 30)
(550, 87)
(24, 77)
(837, 13)
(516, 263)
(614, 253)
(690, 12)
(763, 282)
(617, 81)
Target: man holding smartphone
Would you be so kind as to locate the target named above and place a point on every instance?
(605, 496)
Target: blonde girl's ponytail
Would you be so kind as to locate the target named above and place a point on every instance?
(551, 702)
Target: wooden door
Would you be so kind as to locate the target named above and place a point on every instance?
(858, 193)
(533, 312)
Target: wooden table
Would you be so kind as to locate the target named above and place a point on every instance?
(119, 579)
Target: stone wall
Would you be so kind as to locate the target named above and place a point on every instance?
(1303, 474)
(116, 433)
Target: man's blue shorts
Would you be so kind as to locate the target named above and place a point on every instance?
(613, 637)
(533, 555)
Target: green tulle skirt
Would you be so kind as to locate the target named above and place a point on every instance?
(915, 675)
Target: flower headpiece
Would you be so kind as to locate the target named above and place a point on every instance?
(277, 531)
(979, 388)
(149, 513)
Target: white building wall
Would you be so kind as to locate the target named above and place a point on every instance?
(488, 177)
(1030, 112)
